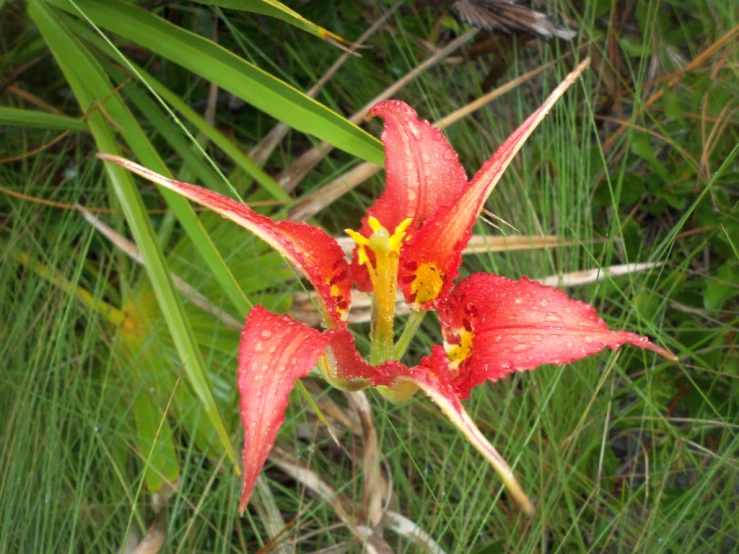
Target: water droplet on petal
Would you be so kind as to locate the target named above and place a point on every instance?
(552, 316)
(522, 347)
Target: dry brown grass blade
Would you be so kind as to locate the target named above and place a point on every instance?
(132, 251)
(370, 541)
(373, 484)
(33, 99)
(313, 203)
(155, 537)
(266, 146)
(407, 528)
(290, 178)
(588, 276)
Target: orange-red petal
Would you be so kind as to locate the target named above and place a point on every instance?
(275, 351)
(440, 241)
(308, 248)
(517, 325)
(422, 172)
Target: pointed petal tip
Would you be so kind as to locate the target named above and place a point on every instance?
(449, 403)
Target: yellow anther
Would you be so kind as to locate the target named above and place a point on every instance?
(457, 353)
(428, 283)
(374, 224)
(356, 237)
(396, 239)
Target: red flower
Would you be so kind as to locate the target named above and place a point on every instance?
(412, 238)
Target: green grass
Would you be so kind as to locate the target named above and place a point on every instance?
(622, 452)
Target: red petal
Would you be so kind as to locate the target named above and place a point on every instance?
(308, 248)
(274, 352)
(520, 325)
(442, 238)
(421, 168)
(422, 172)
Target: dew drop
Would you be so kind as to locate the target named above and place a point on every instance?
(425, 157)
(552, 316)
(266, 334)
(448, 154)
(521, 347)
(543, 303)
(258, 347)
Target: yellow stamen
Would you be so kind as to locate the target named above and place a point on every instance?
(428, 282)
(383, 274)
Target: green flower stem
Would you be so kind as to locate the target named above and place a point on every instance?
(411, 327)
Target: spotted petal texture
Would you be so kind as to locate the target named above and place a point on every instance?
(274, 352)
(308, 248)
(519, 325)
(439, 243)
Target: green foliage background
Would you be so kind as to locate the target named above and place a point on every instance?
(118, 403)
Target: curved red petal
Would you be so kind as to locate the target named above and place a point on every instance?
(439, 243)
(308, 248)
(274, 352)
(501, 326)
(422, 172)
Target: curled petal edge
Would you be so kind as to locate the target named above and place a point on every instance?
(318, 256)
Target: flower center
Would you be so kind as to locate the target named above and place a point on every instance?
(458, 352)
(383, 274)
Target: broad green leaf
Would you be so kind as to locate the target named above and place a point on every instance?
(230, 72)
(39, 120)
(97, 82)
(273, 8)
(175, 102)
(79, 70)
